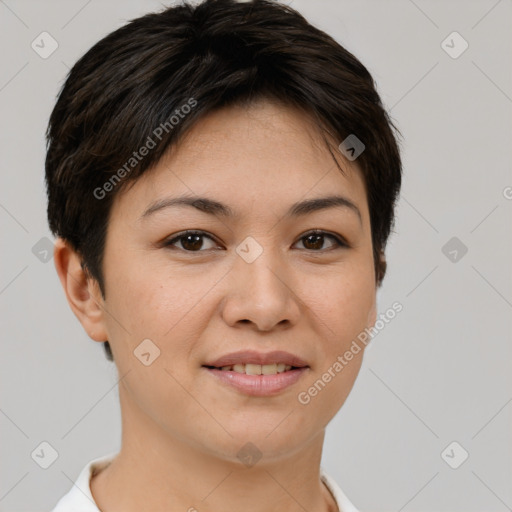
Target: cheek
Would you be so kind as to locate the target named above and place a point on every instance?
(154, 301)
(168, 307)
(344, 303)
(342, 309)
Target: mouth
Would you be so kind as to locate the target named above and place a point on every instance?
(257, 380)
(255, 369)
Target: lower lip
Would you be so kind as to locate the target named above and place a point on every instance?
(259, 385)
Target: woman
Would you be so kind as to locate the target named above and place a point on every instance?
(222, 180)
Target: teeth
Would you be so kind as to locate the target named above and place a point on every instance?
(258, 369)
(268, 369)
(253, 369)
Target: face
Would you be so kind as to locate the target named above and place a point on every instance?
(256, 280)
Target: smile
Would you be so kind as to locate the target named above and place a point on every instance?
(256, 369)
(255, 379)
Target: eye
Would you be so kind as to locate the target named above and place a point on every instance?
(191, 241)
(314, 240)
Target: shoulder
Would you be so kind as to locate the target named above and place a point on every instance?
(79, 498)
(344, 504)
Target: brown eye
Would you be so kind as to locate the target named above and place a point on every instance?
(315, 240)
(191, 241)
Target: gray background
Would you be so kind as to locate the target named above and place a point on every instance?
(438, 373)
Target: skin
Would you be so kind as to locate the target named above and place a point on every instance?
(181, 427)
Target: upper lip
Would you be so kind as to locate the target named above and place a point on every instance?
(255, 357)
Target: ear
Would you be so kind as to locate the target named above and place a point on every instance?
(380, 272)
(82, 291)
(381, 268)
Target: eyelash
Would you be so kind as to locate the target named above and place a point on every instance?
(340, 242)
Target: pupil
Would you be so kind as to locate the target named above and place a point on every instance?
(196, 244)
(316, 238)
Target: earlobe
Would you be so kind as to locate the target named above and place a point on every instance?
(381, 268)
(82, 291)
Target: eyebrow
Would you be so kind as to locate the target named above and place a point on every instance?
(213, 207)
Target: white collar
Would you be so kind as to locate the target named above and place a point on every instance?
(80, 499)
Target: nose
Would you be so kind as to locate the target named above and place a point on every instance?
(261, 294)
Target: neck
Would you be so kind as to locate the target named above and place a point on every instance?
(158, 471)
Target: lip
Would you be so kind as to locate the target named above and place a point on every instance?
(255, 357)
(258, 385)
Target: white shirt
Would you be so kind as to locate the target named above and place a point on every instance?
(80, 499)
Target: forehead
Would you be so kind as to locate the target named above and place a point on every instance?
(261, 154)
